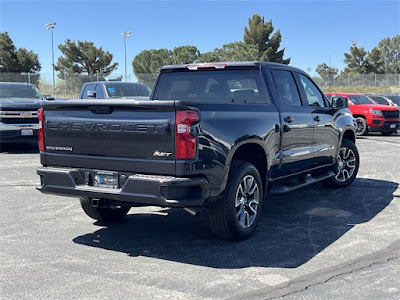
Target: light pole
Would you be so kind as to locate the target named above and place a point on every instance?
(50, 26)
(125, 35)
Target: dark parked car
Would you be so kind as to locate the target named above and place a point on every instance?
(393, 97)
(379, 99)
(114, 89)
(19, 104)
(216, 136)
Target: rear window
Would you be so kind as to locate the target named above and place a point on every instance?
(236, 86)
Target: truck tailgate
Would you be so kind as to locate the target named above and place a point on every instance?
(121, 135)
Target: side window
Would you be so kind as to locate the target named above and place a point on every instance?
(314, 96)
(99, 92)
(286, 87)
(89, 87)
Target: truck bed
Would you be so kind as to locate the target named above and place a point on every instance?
(115, 135)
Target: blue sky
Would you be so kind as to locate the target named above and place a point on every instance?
(313, 31)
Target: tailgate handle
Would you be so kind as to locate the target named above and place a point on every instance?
(100, 109)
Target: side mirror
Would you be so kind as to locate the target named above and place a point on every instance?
(339, 102)
(91, 94)
(50, 98)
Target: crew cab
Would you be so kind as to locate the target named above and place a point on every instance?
(114, 89)
(19, 104)
(216, 136)
(369, 115)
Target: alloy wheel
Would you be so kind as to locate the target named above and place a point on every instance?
(247, 201)
(360, 127)
(346, 164)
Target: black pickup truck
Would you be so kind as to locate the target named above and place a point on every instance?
(218, 136)
(19, 104)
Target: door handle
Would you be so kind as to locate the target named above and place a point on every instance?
(317, 119)
(288, 119)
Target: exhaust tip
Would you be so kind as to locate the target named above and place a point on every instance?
(194, 212)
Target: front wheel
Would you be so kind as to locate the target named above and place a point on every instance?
(347, 164)
(236, 215)
(108, 213)
(362, 127)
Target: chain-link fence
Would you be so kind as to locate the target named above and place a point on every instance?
(68, 86)
(353, 80)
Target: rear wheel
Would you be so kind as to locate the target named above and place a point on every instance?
(348, 162)
(107, 213)
(236, 215)
(362, 127)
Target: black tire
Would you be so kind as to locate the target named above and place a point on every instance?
(387, 133)
(362, 127)
(346, 168)
(108, 213)
(236, 215)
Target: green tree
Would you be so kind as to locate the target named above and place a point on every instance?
(356, 60)
(212, 56)
(258, 33)
(184, 55)
(375, 62)
(360, 61)
(326, 72)
(237, 51)
(84, 58)
(29, 61)
(17, 61)
(389, 55)
(147, 63)
(8, 54)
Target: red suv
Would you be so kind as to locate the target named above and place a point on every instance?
(369, 115)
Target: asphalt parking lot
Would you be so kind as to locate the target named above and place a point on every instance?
(314, 243)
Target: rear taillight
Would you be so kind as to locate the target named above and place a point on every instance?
(185, 142)
(40, 133)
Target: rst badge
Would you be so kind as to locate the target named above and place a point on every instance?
(162, 154)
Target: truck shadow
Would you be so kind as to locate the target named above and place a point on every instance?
(20, 148)
(294, 228)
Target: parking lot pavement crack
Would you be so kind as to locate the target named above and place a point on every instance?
(320, 277)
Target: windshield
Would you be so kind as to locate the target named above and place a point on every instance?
(117, 90)
(19, 91)
(212, 85)
(360, 99)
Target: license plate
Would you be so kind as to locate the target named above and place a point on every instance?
(105, 179)
(26, 132)
(392, 125)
